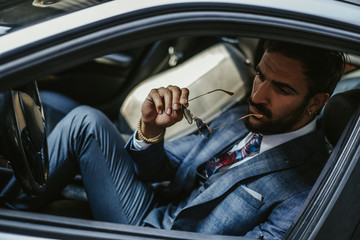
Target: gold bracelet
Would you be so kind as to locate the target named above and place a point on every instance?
(147, 140)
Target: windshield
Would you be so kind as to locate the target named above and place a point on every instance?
(15, 14)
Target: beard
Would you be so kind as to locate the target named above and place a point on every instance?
(281, 124)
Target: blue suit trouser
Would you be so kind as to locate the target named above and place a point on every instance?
(86, 141)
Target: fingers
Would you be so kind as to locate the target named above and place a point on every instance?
(180, 96)
(167, 100)
(162, 109)
(184, 96)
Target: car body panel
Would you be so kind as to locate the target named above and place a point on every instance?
(120, 31)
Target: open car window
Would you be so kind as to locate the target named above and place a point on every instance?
(223, 55)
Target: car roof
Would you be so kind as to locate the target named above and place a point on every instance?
(340, 19)
(333, 11)
(12, 15)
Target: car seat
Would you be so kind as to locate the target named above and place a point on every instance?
(220, 66)
(338, 112)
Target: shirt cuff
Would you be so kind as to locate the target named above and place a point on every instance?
(141, 144)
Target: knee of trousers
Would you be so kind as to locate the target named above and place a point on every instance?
(86, 117)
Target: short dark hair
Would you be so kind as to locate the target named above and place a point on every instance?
(323, 68)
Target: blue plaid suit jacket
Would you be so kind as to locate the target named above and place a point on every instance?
(283, 176)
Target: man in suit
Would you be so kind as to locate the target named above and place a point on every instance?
(257, 195)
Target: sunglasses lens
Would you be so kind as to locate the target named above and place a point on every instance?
(188, 116)
(203, 128)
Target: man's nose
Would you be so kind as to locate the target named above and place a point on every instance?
(261, 94)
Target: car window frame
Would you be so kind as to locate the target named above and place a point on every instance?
(325, 204)
(131, 34)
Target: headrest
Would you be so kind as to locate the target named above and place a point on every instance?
(338, 112)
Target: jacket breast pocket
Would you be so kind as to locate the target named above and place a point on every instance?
(250, 196)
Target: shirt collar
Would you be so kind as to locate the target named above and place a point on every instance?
(271, 141)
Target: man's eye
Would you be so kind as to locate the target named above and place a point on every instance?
(261, 77)
(283, 91)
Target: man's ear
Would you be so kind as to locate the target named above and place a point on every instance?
(317, 102)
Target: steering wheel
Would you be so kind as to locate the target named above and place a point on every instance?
(22, 137)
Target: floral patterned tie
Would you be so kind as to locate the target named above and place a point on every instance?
(226, 159)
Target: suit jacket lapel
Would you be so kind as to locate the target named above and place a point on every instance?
(285, 156)
(218, 142)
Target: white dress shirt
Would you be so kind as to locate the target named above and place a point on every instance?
(271, 141)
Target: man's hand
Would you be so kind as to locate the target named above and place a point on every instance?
(162, 109)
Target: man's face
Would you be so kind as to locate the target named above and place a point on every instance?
(279, 94)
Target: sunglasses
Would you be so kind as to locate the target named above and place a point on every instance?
(202, 126)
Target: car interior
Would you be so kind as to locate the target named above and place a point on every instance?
(118, 83)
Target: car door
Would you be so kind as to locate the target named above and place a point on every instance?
(116, 31)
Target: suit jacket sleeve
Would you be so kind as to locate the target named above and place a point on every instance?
(151, 164)
(160, 161)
